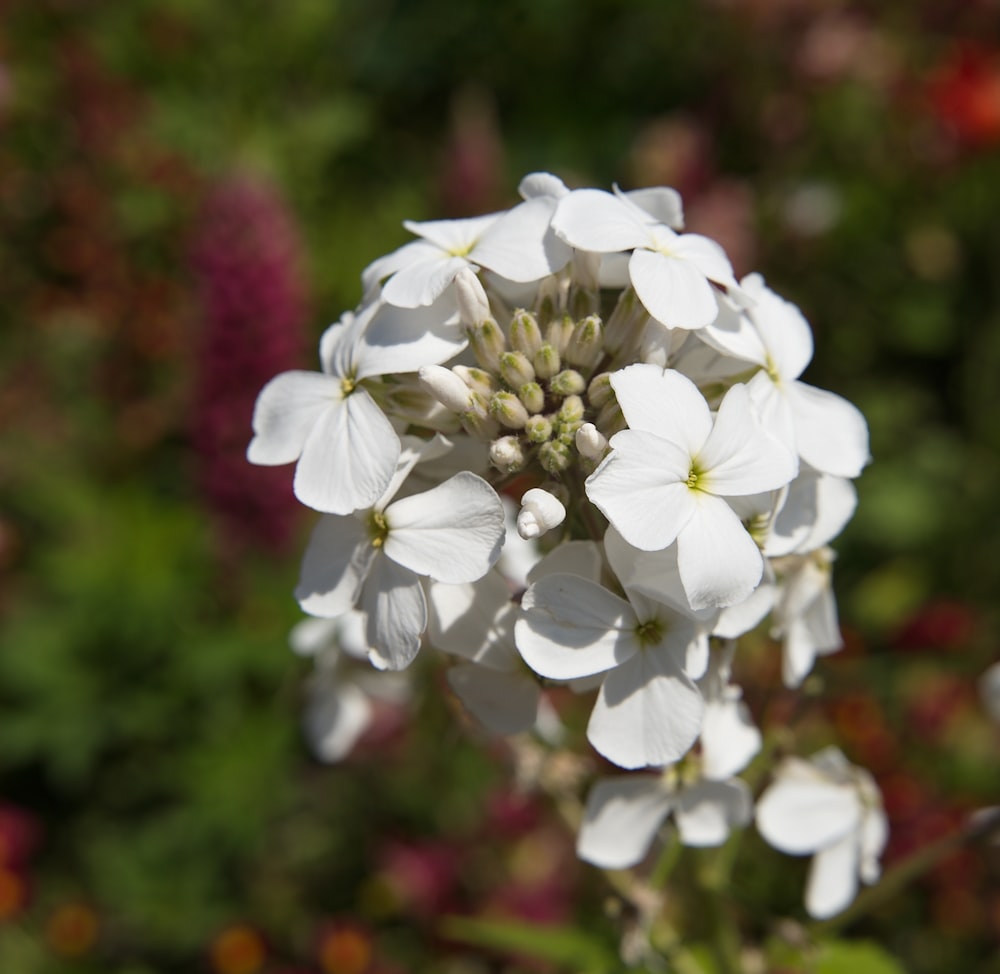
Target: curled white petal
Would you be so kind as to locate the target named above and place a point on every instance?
(540, 512)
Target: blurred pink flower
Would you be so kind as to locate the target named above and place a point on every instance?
(247, 259)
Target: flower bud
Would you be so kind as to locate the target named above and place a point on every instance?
(569, 382)
(540, 512)
(554, 456)
(525, 335)
(571, 411)
(488, 344)
(559, 332)
(586, 345)
(478, 380)
(516, 369)
(446, 387)
(473, 305)
(538, 428)
(591, 442)
(599, 392)
(506, 454)
(547, 362)
(508, 410)
(533, 397)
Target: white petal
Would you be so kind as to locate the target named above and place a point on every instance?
(833, 879)
(640, 488)
(335, 717)
(571, 627)
(466, 618)
(349, 457)
(394, 602)
(621, 820)
(708, 811)
(404, 339)
(800, 815)
(665, 403)
(424, 282)
(733, 334)
(541, 184)
(581, 558)
(729, 739)
(783, 329)
(286, 411)
(414, 252)
(740, 457)
(453, 532)
(831, 434)
(453, 236)
(520, 246)
(741, 617)
(719, 562)
(335, 565)
(506, 703)
(594, 220)
(648, 712)
(708, 256)
(673, 290)
(310, 637)
(660, 202)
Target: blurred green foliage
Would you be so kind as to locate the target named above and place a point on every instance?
(148, 704)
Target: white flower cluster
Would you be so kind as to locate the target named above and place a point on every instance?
(585, 354)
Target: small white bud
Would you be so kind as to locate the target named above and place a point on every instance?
(508, 410)
(591, 442)
(506, 454)
(473, 305)
(540, 512)
(446, 387)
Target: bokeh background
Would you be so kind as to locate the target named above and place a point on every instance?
(188, 192)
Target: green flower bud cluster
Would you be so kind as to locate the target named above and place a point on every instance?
(539, 385)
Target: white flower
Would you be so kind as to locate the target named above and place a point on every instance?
(374, 559)
(623, 815)
(667, 477)
(345, 446)
(827, 431)
(672, 273)
(648, 710)
(339, 698)
(831, 809)
(518, 245)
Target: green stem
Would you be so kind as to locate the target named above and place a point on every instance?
(986, 826)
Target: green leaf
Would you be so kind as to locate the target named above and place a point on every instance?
(578, 951)
(856, 957)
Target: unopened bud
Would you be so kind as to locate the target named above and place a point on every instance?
(569, 382)
(525, 335)
(559, 332)
(508, 410)
(554, 456)
(538, 428)
(478, 380)
(533, 397)
(591, 442)
(446, 387)
(540, 512)
(506, 454)
(571, 410)
(610, 419)
(488, 344)
(586, 346)
(473, 305)
(547, 362)
(599, 391)
(516, 369)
